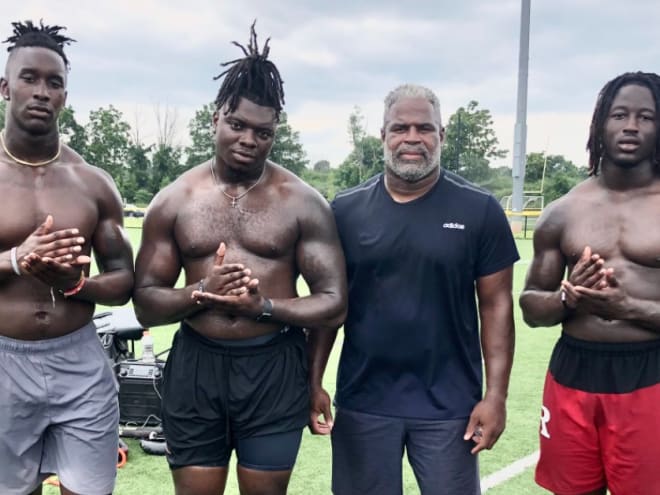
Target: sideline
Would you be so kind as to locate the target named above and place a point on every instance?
(508, 472)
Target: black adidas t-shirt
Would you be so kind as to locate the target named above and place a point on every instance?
(411, 346)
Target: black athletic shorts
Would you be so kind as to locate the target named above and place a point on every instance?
(216, 394)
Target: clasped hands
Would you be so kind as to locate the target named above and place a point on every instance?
(54, 257)
(593, 288)
(229, 288)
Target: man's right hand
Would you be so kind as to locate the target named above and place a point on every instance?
(320, 405)
(62, 246)
(62, 276)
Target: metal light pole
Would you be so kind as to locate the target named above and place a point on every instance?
(520, 132)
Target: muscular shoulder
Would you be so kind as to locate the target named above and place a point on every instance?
(169, 200)
(91, 174)
(92, 179)
(294, 191)
(560, 213)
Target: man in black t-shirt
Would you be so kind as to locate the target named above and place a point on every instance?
(419, 242)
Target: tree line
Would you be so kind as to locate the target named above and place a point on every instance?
(469, 148)
(141, 169)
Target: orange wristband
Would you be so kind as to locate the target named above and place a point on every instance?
(76, 288)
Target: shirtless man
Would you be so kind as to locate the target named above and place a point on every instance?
(600, 428)
(243, 229)
(58, 395)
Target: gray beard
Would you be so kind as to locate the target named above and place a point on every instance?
(411, 171)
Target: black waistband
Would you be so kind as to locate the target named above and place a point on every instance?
(243, 346)
(605, 367)
(610, 347)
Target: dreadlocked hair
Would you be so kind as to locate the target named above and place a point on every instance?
(28, 34)
(595, 145)
(253, 77)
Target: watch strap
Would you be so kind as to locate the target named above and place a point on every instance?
(266, 310)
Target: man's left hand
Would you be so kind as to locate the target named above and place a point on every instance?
(62, 276)
(242, 301)
(486, 424)
(608, 301)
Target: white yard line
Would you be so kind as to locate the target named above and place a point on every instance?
(508, 472)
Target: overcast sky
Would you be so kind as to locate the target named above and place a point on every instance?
(141, 54)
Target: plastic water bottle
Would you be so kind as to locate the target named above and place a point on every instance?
(148, 348)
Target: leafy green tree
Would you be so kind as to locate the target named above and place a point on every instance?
(200, 129)
(139, 171)
(534, 167)
(470, 143)
(165, 166)
(499, 182)
(143, 197)
(366, 158)
(108, 141)
(322, 180)
(356, 127)
(561, 176)
(167, 157)
(551, 175)
(321, 166)
(558, 186)
(287, 149)
(71, 132)
(365, 161)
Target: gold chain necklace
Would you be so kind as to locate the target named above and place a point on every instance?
(234, 199)
(25, 162)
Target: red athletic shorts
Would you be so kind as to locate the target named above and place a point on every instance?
(600, 421)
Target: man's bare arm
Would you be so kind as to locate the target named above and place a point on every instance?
(157, 269)
(497, 341)
(320, 259)
(497, 329)
(319, 348)
(540, 300)
(112, 252)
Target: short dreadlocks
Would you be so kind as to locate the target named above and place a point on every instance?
(28, 34)
(253, 77)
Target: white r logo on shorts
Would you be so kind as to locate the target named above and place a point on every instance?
(545, 418)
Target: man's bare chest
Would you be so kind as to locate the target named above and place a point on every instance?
(625, 230)
(27, 203)
(265, 231)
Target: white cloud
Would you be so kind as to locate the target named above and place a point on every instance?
(334, 55)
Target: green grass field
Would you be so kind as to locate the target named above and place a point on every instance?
(149, 475)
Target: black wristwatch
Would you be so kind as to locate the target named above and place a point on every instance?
(266, 310)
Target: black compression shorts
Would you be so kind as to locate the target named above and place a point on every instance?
(220, 396)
